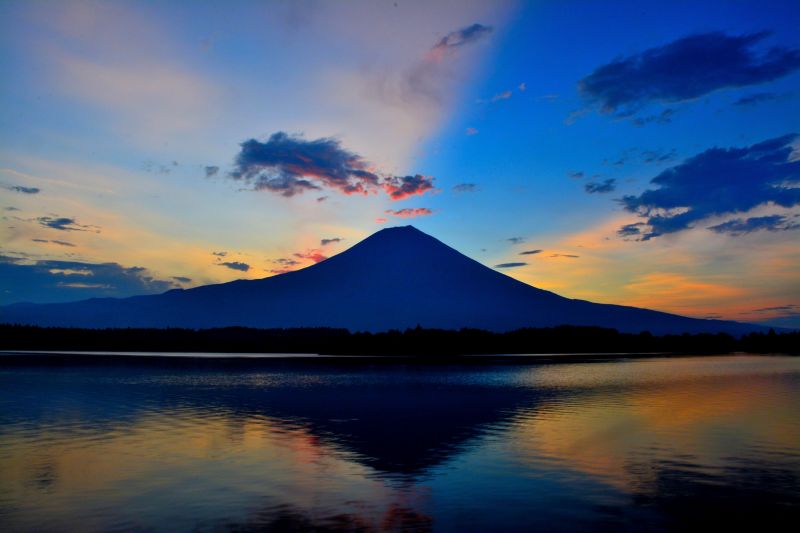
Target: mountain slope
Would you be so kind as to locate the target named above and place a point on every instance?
(396, 278)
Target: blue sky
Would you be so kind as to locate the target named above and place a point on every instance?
(498, 127)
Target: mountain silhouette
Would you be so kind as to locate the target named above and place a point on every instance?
(395, 279)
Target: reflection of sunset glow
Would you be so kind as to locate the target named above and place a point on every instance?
(604, 434)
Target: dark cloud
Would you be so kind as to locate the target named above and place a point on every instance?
(182, 279)
(326, 242)
(510, 265)
(220, 254)
(716, 182)
(211, 171)
(11, 208)
(664, 117)
(235, 265)
(286, 262)
(570, 256)
(400, 187)
(64, 224)
(290, 165)
(738, 226)
(23, 280)
(605, 186)
(464, 36)
(779, 308)
(315, 255)
(409, 212)
(60, 243)
(516, 240)
(531, 252)
(23, 190)
(465, 187)
(658, 157)
(576, 175)
(631, 230)
(686, 69)
(756, 98)
(322, 199)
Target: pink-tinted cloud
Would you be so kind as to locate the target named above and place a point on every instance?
(400, 187)
(315, 255)
(409, 212)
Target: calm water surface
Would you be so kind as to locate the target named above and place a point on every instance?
(698, 442)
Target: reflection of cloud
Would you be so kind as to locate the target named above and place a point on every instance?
(655, 402)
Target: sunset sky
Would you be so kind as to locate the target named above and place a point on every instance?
(640, 153)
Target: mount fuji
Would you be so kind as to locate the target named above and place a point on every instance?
(397, 278)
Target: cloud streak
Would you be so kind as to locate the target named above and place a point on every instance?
(510, 265)
(409, 212)
(64, 224)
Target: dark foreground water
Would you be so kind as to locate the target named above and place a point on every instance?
(688, 443)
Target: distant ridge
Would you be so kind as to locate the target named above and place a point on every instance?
(396, 278)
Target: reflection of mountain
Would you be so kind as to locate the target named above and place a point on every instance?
(397, 278)
(670, 444)
(380, 423)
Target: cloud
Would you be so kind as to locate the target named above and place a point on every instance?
(465, 187)
(400, 187)
(458, 38)
(471, 131)
(717, 182)
(787, 307)
(576, 175)
(60, 243)
(409, 212)
(756, 98)
(381, 220)
(286, 262)
(235, 265)
(531, 252)
(23, 280)
(569, 256)
(322, 199)
(605, 186)
(182, 279)
(211, 171)
(23, 190)
(64, 224)
(290, 165)
(631, 230)
(510, 265)
(220, 254)
(664, 117)
(315, 255)
(738, 226)
(658, 156)
(326, 242)
(516, 240)
(686, 69)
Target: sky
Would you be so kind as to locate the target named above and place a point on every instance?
(632, 152)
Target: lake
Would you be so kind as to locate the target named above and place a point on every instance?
(155, 444)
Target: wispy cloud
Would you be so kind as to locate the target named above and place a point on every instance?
(409, 212)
